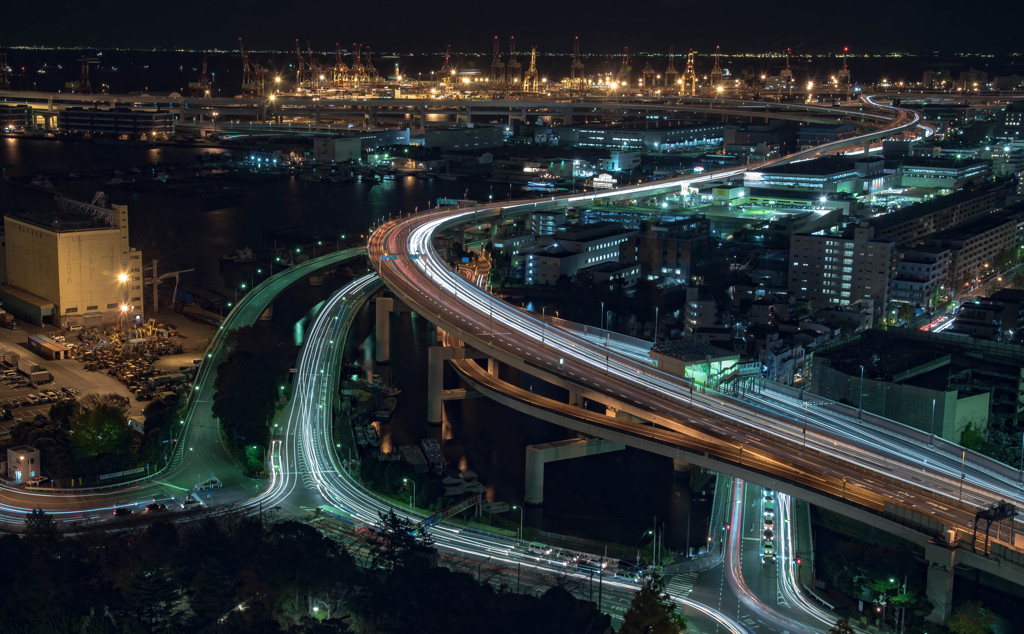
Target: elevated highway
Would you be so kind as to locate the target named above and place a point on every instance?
(838, 464)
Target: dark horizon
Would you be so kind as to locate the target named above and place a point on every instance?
(603, 27)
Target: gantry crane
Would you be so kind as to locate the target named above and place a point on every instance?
(648, 76)
(5, 78)
(531, 80)
(200, 88)
(717, 74)
(252, 86)
(448, 69)
(625, 70)
(689, 77)
(513, 70)
(83, 85)
(671, 74)
(497, 66)
(576, 80)
(340, 69)
(358, 72)
(371, 70)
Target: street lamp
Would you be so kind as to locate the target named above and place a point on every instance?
(860, 399)
(932, 439)
(520, 509)
(412, 501)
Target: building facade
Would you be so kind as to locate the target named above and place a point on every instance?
(78, 270)
(839, 270)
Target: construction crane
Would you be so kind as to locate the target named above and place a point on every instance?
(497, 66)
(200, 88)
(689, 77)
(671, 74)
(576, 69)
(155, 280)
(717, 74)
(513, 70)
(531, 80)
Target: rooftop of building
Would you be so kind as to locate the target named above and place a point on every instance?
(978, 226)
(918, 358)
(613, 267)
(52, 212)
(816, 167)
(591, 231)
(1009, 295)
(920, 210)
(693, 349)
(939, 163)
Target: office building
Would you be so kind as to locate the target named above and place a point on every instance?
(839, 270)
(120, 121)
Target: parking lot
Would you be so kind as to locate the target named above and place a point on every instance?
(20, 400)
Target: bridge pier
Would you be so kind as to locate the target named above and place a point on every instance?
(539, 455)
(492, 366)
(939, 588)
(383, 329)
(436, 356)
(575, 399)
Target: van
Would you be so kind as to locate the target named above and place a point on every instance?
(74, 327)
(537, 548)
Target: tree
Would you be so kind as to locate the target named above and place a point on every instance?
(652, 611)
(40, 527)
(101, 426)
(971, 618)
(397, 545)
(842, 626)
(247, 385)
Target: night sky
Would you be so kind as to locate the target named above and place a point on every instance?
(913, 26)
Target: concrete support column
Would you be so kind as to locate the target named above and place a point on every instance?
(575, 399)
(492, 366)
(939, 588)
(534, 489)
(538, 455)
(383, 319)
(435, 382)
(610, 411)
(680, 467)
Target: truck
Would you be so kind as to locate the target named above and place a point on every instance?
(7, 320)
(40, 376)
(167, 380)
(11, 358)
(27, 366)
